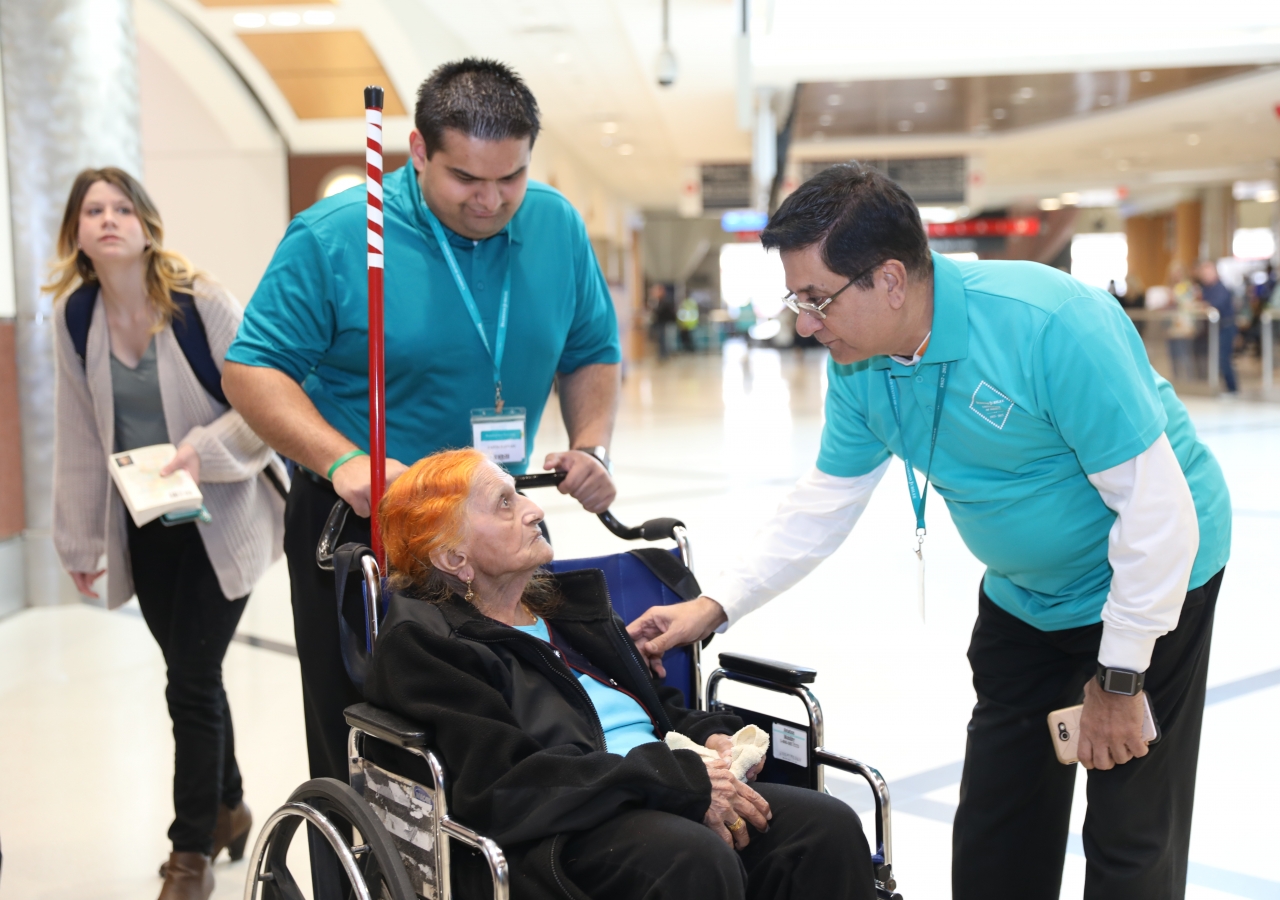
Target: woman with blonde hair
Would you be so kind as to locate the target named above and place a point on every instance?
(138, 331)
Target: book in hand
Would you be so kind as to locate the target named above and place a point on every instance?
(148, 494)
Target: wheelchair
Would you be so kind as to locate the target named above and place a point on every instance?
(387, 836)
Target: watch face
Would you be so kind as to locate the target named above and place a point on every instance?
(1121, 682)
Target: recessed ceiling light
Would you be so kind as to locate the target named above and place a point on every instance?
(284, 19)
(1070, 198)
(318, 17)
(1026, 93)
(626, 150)
(1146, 76)
(833, 99)
(998, 113)
(609, 127)
(920, 106)
(1104, 100)
(249, 20)
(826, 119)
(940, 84)
(1193, 140)
(904, 125)
(1049, 204)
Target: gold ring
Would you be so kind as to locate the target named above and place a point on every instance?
(738, 825)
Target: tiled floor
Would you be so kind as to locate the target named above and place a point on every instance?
(85, 764)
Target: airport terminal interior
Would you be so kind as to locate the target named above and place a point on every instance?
(1123, 143)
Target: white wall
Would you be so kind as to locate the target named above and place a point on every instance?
(212, 160)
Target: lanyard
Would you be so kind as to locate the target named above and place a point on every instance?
(500, 336)
(918, 497)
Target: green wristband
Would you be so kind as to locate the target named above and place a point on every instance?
(346, 457)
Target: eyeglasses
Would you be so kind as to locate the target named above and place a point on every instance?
(816, 307)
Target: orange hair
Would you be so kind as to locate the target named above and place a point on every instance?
(424, 510)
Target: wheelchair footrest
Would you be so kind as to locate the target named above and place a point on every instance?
(385, 725)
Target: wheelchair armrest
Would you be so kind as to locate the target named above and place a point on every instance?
(768, 669)
(385, 726)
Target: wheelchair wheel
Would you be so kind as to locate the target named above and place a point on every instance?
(352, 857)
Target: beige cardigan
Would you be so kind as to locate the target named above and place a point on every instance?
(89, 519)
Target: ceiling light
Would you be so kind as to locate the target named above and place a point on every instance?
(340, 180)
(1070, 198)
(920, 106)
(998, 113)
(1104, 100)
(609, 127)
(318, 17)
(938, 214)
(1193, 140)
(249, 20)
(1267, 196)
(1026, 93)
(826, 119)
(904, 125)
(626, 150)
(1049, 204)
(284, 19)
(833, 100)
(1146, 76)
(939, 84)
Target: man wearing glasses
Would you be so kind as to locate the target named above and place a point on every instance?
(1070, 469)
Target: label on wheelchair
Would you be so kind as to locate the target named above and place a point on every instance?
(790, 744)
(408, 812)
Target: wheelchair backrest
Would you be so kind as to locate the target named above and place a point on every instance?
(633, 588)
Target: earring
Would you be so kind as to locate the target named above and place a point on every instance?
(471, 597)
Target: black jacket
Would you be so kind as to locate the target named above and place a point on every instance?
(520, 741)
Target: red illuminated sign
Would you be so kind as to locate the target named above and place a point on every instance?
(1021, 226)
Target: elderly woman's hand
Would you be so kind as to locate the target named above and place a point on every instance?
(723, 745)
(733, 805)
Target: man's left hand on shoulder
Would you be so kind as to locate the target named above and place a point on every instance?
(1110, 728)
(587, 479)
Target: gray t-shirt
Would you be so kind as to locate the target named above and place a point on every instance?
(139, 410)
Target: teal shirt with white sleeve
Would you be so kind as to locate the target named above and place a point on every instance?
(309, 316)
(626, 725)
(1048, 383)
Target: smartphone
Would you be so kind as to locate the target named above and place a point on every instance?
(200, 514)
(1064, 727)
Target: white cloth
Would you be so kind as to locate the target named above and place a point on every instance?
(750, 744)
(1151, 548)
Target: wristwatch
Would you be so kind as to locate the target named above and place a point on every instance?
(1121, 681)
(599, 453)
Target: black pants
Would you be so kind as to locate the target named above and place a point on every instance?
(326, 689)
(193, 623)
(1010, 832)
(814, 848)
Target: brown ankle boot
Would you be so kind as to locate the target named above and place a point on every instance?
(188, 876)
(232, 830)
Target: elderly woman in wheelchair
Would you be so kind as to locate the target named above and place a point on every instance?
(550, 726)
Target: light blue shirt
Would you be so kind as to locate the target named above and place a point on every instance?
(1049, 382)
(625, 723)
(309, 316)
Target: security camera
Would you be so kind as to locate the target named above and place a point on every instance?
(667, 67)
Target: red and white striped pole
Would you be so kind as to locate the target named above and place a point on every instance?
(377, 369)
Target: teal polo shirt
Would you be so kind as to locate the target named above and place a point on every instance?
(309, 316)
(1048, 383)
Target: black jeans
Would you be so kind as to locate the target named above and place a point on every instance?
(814, 848)
(326, 689)
(193, 623)
(1010, 832)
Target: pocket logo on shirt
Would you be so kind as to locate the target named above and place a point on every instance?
(991, 405)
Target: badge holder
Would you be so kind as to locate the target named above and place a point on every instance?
(499, 434)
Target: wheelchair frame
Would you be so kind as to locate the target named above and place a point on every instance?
(429, 802)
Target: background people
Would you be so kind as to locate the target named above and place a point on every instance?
(1218, 295)
(1069, 468)
(468, 237)
(135, 387)
(575, 786)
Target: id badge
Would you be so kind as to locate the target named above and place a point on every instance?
(499, 435)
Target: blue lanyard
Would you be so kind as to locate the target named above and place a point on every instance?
(918, 497)
(500, 337)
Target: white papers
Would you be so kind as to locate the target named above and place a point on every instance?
(146, 494)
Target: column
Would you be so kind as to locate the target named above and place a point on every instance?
(71, 102)
(1186, 233)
